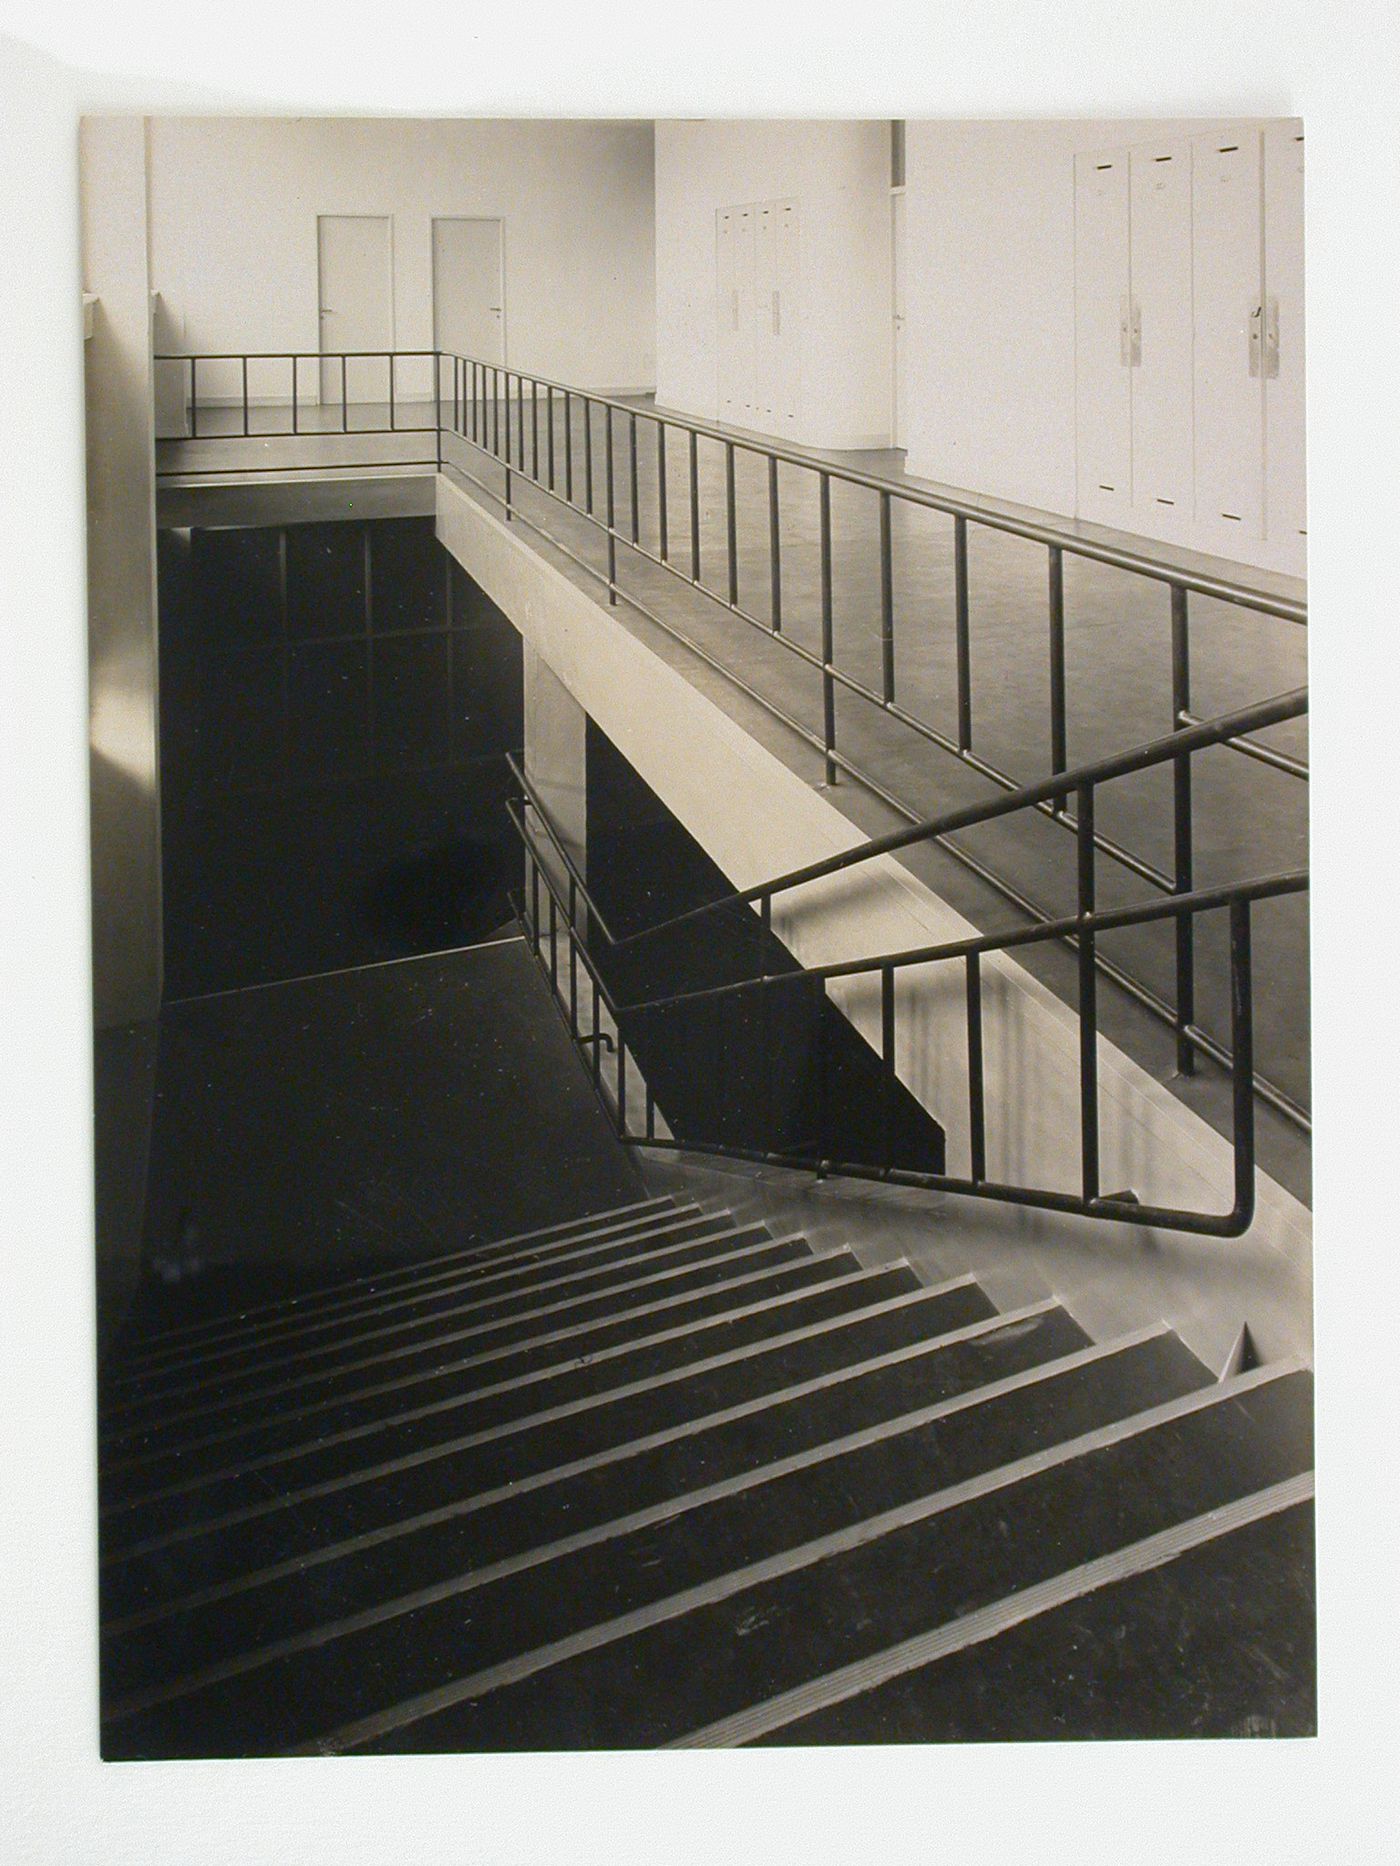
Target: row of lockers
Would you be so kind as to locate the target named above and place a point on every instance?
(1189, 341)
(758, 277)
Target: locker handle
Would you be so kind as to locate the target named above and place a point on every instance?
(1256, 318)
(1271, 338)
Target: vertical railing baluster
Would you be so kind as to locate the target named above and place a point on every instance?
(976, 1084)
(495, 411)
(476, 404)
(573, 957)
(775, 550)
(731, 541)
(1183, 837)
(621, 1082)
(520, 422)
(553, 944)
(1242, 1044)
(1058, 736)
(887, 1072)
(568, 447)
(828, 642)
(662, 525)
(587, 456)
(1088, 999)
(344, 398)
(632, 475)
(245, 395)
(597, 1033)
(194, 398)
(295, 414)
(694, 506)
(393, 419)
(611, 502)
(886, 601)
(534, 430)
(549, 426)
(534, 902)
(963, 634)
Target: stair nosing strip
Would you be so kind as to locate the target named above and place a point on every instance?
(1138, 1558)
(667, 1510)
(503, 1349)
(532, 1421)
(599, 1460)
(195, 1331)
(163, 1423)
(413, 1415)
(401, 1296)
(525, 1665)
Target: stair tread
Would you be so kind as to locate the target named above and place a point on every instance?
(760, 1512)
(204, 1550)
(652, 1683)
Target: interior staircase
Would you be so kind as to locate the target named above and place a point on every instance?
(659, 1477)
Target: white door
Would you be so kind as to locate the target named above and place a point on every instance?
(897, 272)
(1229, 399)
(787, 312)
(469, 289)
(356, 303)
(1160, 334)
(1286, 508)
(1103, 345)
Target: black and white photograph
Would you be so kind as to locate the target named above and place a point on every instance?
(697, 975)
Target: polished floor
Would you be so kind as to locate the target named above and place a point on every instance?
(1248, 819)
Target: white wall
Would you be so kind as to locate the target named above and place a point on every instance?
(234, 202)
(989, 339)
(838, 173)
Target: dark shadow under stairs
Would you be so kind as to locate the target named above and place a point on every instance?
(656, 1476)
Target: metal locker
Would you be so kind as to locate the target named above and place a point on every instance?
(1160, 332)
(1285, 482)
(1229, 315)
(726, 314)
(787, 304)
(745, 336)
(1103, 345)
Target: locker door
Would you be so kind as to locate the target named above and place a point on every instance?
(787, 311)
(726, 315)
(746, 333)
(1160, 336)
(765, 313)
(1285, 506)
(1102, 346)
(1229, 399)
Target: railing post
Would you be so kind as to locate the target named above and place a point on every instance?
(694, 506)
(828, 643)
(344, 398)
(662, 525)
(393, 420)
(1184, 836)
(534, 430)
(573, 957)
(296, 360)
(632, 475)
(1058, 739)
(887, 1072)
(1242, 1044)
(588, 455)
(886, 601)
(976, 1085)
(194, 398)
(437, 400)
(611, 504)
(1088, 999)
(568, 447)
(731, 542)
(244, 361)
(963, 633)
(549, 428)
(775, 548)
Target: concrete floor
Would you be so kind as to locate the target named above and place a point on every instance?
(1248, 819)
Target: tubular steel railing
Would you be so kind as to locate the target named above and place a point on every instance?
(565, 894)
(544, 433)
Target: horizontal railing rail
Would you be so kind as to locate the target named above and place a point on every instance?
(585, 452)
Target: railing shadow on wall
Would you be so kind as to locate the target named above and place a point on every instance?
(586, 453)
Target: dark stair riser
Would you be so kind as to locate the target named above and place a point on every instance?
(1218, 1643)
(335, 1337)
(417, 1429)
(656, 1685)
(420, 1649)
(652, 1285)
(457, 1373)
(217, 1552)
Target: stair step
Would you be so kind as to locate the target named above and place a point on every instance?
(295, 1336)
(1218, 1641)
(404, 1359)
(647, 1552)
(197, 1548)
(416, 1430)
(449, 1373)
(211, 1329)
(708, 1653)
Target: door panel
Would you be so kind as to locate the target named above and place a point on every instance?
(469, 288)
(726, 313)
(1103, 371)
(1160, 183)
(1286, 512)
(1228, 397)
(746, 334)
(767, 338)
(789, 312)
(356, 302)
(897, 267)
